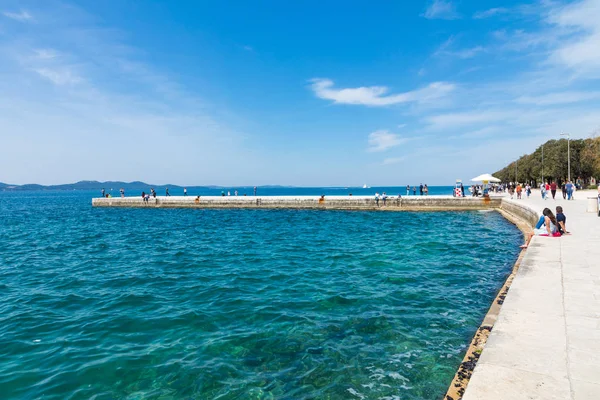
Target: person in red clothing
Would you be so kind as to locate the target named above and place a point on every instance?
(553, 189)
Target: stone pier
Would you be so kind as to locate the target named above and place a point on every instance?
(410, 203)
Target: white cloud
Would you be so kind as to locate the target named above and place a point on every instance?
(383, 140)
(377, 95)
(558, 98)
(21, 16)
(62, 76)
(490, 13)
(441, 9)
(580, 49)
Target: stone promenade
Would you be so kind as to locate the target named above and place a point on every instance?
(546, 342)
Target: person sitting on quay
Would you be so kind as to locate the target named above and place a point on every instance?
(561, 218)
(546, 226)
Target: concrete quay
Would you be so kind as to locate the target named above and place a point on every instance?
(410, 203)
(545, 343)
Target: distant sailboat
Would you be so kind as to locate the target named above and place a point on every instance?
(365, 186)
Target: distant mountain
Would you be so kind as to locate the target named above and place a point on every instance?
(87, 185)
(114, 185)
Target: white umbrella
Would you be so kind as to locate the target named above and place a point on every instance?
(485, 178)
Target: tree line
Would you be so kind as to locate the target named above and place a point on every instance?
(552, 165)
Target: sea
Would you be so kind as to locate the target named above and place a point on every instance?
(115, 303)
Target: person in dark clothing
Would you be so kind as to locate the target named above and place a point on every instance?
(553, 189)
(462, 190)
(564, 190)
(414, 190)
(421, 189)
(167, 192)
(561, 220)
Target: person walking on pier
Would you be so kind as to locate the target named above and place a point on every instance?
(426, 190)
(569, 186)
(377, 198)
(462, 190)
(564, 190)
(384, 198)
(167, 192)
(553, 189)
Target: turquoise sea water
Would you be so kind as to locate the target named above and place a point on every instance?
(239, 304)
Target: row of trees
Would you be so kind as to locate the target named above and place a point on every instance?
(585, 163)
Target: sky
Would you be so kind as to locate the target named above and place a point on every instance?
(310, 93)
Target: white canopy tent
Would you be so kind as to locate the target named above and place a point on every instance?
(485, 178)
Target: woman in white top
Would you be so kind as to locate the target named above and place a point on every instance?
(549, 227)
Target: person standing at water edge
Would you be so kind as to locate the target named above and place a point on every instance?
(414, 190)
(426, 190)
(462, 190)
(103, 192)
(408, 190)
(254, 191)
(384, 197)
(122, 192)
(167, 192)
(377, 199)
(421, 189)
(185, 191)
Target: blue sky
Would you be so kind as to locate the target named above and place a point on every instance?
(299, 93)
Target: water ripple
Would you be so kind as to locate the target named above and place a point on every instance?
(239, 304)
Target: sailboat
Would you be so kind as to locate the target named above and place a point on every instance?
(365, 186)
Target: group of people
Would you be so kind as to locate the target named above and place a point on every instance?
(547, 189)
(567, 188)
(550, 224)
(423, 190)
(383, 197)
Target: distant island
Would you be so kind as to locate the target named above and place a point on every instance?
(549, 162)
(108, 185)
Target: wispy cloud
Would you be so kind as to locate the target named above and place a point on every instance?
(580, 49)
(558, 98)
(393, 160)
(21, 16)
(45, 54)
(62, 76)
(490, 13)
(441, 9)
(383, 140)
(378, 95)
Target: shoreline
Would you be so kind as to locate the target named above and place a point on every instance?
(463, 375)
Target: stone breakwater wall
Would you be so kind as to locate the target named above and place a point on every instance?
(417, 203)
(520, 212)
